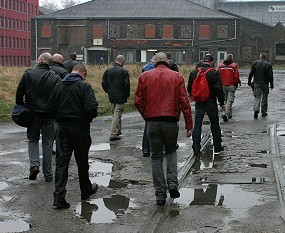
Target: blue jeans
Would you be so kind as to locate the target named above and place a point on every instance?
(45, 127)
(163, 135)
(211, 108)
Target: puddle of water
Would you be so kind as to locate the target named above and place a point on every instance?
(14, 226)
(16, 163)
(3, 185)
(100, 174)
(227, 195)
(263, 151)
(13, 152)
(101, 146)
(6, 198)
(182, 144)
(115, 184)
(104, 210)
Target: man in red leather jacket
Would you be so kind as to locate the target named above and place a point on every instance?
(160, 97)
(230, 80)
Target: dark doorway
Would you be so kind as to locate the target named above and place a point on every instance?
(97, 57)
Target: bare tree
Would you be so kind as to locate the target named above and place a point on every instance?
(69, 3)
(49, 4)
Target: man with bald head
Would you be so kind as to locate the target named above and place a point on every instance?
(57, 65)
(116, 83)
(161, 112)
(34, 90)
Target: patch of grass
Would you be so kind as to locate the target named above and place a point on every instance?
(10, 77)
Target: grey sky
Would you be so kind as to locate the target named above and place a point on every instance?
(58, 2)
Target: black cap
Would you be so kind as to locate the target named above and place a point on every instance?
(72, 56)
(208, 58)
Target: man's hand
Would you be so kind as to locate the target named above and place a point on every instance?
(223, 107)
(271, 87)
(189, 133)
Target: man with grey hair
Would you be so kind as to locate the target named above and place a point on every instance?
(162, 112)
(34, 90)
(262, 73)
(116, 83)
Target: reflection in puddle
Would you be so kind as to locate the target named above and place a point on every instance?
(101, 146)
(100, 173)
(3, 185)
(14, 226)
(104, 210)
(263, 152)
(227, 195)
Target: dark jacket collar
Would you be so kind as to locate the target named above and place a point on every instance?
(162, 63)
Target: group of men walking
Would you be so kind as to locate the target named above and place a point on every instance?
(54, 91)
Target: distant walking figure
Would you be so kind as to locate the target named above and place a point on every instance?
(262, 73)
(230, 80)
(116, 83)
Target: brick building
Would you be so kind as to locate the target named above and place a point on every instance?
(100, 29)
(15, 31)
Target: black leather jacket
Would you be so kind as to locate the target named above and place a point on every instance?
(58, 69)
(35, 88)
(116, 82)
(69, 64)
(262, 72)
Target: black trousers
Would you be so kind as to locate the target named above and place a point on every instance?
(69, 140)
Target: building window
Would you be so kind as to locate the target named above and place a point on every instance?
(179, 56)
(115, 30)
(132, 31)
(186, 31)
(97, 31)
(149, 31)
(46, 31)
(222, 31)
(204, 32)
(167, 31)
(280, 49)
(202, 53)
(129, 55)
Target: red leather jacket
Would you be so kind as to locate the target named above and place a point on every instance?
(229, 73)
(161, 92)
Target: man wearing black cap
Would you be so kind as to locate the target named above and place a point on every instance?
(71, 62)
(210, 106)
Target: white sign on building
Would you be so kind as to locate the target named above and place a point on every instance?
(276, 8)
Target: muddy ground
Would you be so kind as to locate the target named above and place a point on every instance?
(125, 199)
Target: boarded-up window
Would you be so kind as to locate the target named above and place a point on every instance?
(115, 30)
(71, 35)
(97, 31)
(167, 31)
(222, 31)
(132, 31)
(204, 32)
(186, 31)
(149, 30)
(46, 31)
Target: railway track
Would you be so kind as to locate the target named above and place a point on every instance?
(159, 213)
